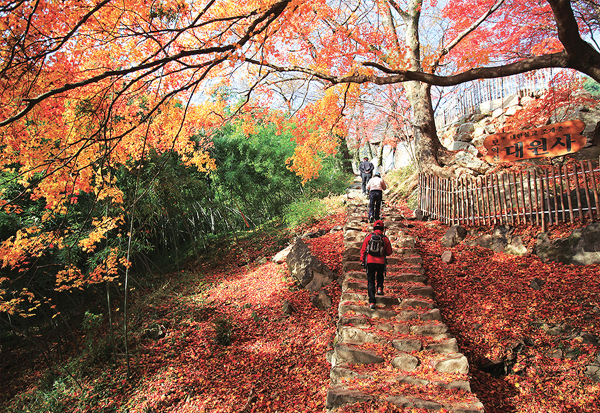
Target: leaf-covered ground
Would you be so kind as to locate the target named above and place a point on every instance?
(528, 347)
(276, 363)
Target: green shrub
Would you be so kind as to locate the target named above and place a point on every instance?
(592, 86)
(404, 180)
(304, 212)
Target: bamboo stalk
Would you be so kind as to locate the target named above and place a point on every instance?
(587, 189)
(486, 202)
(478, 195)
(425, 193)
(568, 194)
(509, 200)
(440, 198)
(472, 200)
(463, 212)
(448, 201)
(468, 213)
(457, 200)
(499, 200)
(579, 206)
(594, 188)
(443, 201)
(434, 196)
(420, 179)
(476, 215)
(452, 197)
(440, 194)
(532, 191)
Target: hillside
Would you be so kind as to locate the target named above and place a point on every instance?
(214, 337)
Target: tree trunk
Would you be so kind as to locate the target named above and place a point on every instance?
(346, 156)
(419, 95)
(425, 132)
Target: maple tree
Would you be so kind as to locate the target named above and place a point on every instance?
(88, 87)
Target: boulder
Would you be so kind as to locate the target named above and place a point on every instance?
(465, 132)
(452, 363)
(447, 257)
(281, 256)
(582, 247)
(288, 308)
(419, 215)
(311, 273)
(322, 301)
(501, 240)
(454, 236)
(593, 370)
(405, 362)
(470, 161)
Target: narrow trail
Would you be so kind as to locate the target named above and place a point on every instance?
(399, 353)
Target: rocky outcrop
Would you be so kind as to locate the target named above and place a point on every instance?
(582, 247)
(501, 239)
(454, 236)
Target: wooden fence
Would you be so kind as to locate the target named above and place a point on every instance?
(545, 195)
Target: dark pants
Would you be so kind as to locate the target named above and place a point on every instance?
(375, 198)
(374, 270)
(365, 180)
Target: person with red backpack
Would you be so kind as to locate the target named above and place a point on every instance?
(375, 248)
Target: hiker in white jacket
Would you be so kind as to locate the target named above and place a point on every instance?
(376, 186)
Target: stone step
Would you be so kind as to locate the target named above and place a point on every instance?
(409, 266)
(350, 353)
(358, 281)
(381, 299)
(402, 344)
(390, 291)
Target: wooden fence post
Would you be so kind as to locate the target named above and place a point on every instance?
(547, 191)
(478, 196)
(521, 177)
(587, 190)
(471, 197)
(543, 217)
(595, 188)
(496, 217)
(579, 205)
(535, 191)
(555, 195)
(514, 178)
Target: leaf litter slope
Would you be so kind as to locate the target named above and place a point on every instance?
(545, 337)
(274, 362)
(277, 363)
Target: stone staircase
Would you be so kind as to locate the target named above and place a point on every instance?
(399, 353)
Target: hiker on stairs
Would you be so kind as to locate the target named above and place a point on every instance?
(376, 186)
(375, 248)
(366, 171)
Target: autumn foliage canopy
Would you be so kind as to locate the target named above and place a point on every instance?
(88, 88)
